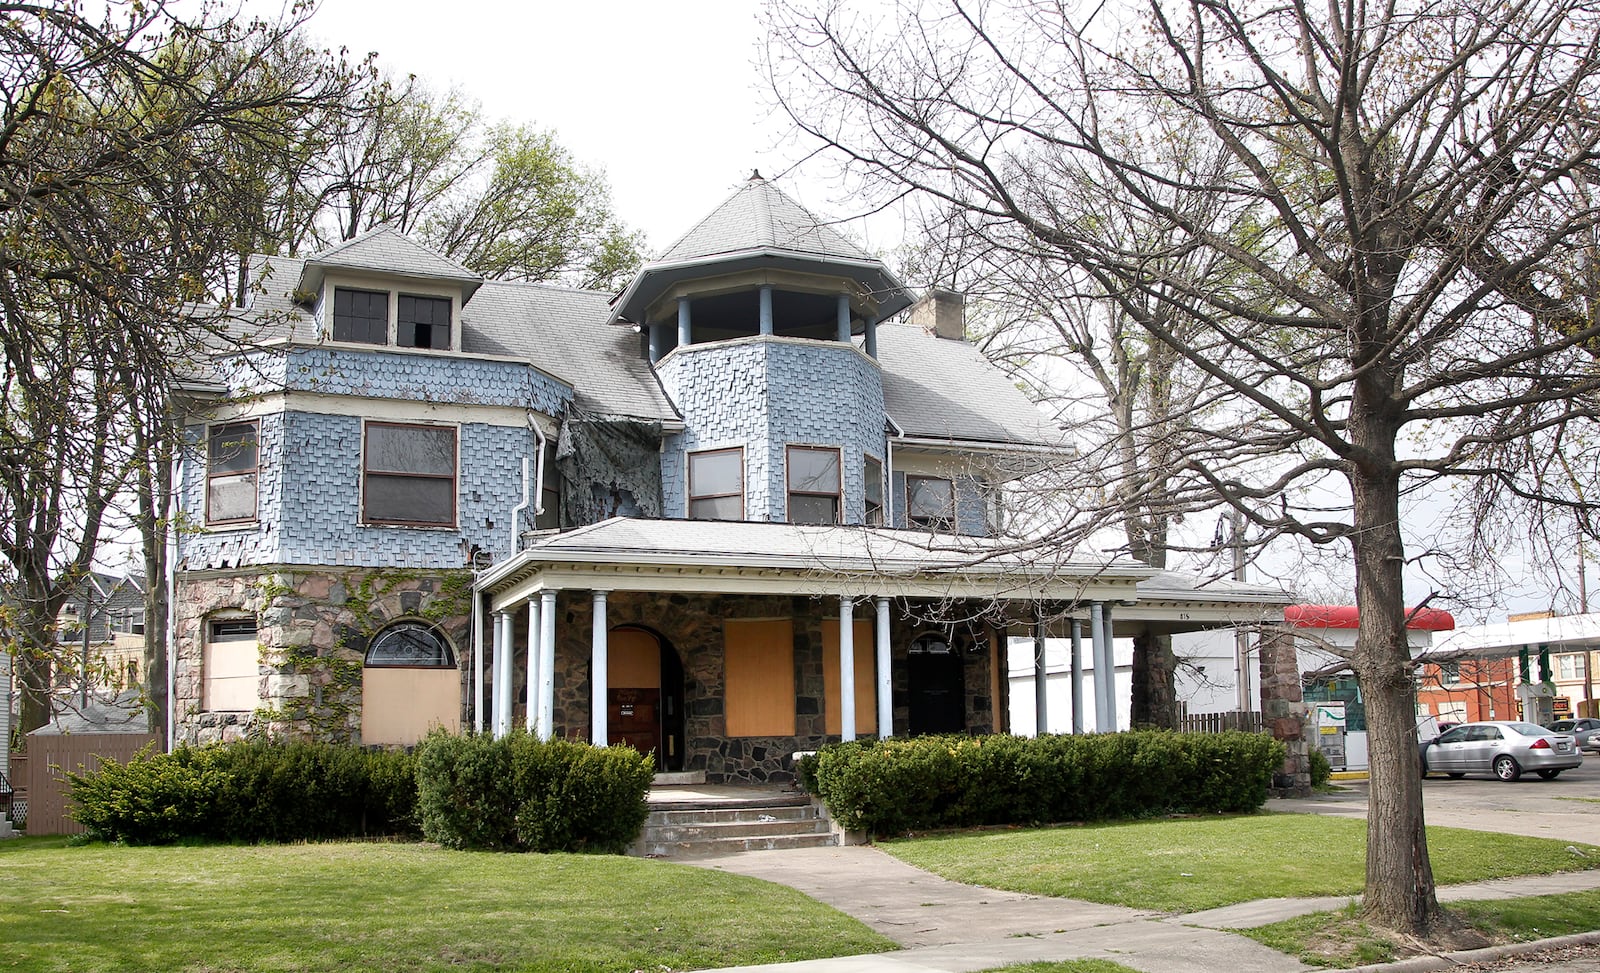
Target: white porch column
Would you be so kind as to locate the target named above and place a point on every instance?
(1111, 666)
(885, 682)
(598, 656)
(477, 662)
(847, 669)
(1041, 678)
(547, 666)
(1077, 676)
(502, 673)
(533, 658)
(1103, 673)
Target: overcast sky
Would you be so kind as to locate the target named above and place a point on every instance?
(663, 96)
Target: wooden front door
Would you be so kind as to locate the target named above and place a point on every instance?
(633, 695)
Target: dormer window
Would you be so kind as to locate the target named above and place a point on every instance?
(361, 316)
(423, 322)
(374, 317)
(930, 502)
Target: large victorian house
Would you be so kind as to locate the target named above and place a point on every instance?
(746, 506)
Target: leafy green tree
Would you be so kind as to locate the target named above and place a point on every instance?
(121, 144)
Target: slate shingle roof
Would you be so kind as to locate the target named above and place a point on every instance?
(759, 216)
(938, 388)
(385, 250)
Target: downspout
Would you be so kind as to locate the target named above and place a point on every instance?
(538, 467)
(172, 596)
(477, 657)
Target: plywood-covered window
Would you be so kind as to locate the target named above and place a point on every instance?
(866, 687)
(230, 666)
(758, 660)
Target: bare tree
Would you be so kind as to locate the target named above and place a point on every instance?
(1407, 304)
(124, 145)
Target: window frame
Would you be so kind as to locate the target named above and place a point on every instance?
(454, 476)
(931, 523)
(690, 496)
(388, 315)
(401, 322)
(254, 472)
(1574, 662)
(869, 462)
(411, 624)
(789, 491)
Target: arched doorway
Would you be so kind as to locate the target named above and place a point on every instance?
(644, 695)
(938, 699)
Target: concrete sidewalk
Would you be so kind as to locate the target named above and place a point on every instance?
(948, 927)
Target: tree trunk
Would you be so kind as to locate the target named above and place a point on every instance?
(1399, 888)
(33, 662)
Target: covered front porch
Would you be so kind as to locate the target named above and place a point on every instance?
(727, 647)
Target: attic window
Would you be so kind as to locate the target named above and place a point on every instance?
(361, 316)
(424, 322)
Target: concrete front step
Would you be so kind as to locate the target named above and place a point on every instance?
(690, 828)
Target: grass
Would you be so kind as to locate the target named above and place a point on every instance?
(1341, 939)
(353, 907)
(1190, 864)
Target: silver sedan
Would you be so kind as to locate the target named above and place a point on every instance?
(1502, 748)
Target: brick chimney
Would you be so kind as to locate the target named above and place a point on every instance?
(942, 313)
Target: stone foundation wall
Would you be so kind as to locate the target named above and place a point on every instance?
(313, 628)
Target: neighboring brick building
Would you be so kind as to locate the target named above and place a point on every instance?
(743, 507)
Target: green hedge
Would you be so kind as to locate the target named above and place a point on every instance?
(522, 794)
(251, 792)
(915, 784)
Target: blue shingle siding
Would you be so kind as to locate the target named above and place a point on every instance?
(767, 394)
(309, 504)
(424, 378)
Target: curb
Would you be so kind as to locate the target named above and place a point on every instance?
(1444, 961)
(1348, 775)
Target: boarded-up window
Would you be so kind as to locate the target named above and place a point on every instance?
(866, 688)
(231, 666)
(758, 657)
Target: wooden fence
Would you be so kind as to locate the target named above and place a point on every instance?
(1249, 721)
(52, 755)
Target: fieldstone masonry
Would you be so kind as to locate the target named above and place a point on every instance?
(1284, 710)
(314, 626)
(691, 626)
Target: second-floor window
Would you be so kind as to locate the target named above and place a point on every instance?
(1569, 667)
(716, 485)
(930, 502)
(423, 322)
(232, 463)
(409, 475)
(361, 316)
(813, 485)
(874, 507)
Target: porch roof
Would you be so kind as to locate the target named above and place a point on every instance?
(728, 557)
(1561, 633)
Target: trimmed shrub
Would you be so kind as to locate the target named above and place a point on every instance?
(519, 793)
(899, 785)
(251, 792)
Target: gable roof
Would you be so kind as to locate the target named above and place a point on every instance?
(938, 388)
(387, 251)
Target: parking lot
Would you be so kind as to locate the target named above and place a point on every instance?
(1567, 807)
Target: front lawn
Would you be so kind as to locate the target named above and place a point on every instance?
(355, 907)
(1190, 864)
(1342, 939)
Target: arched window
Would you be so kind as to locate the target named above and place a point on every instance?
(410, 645)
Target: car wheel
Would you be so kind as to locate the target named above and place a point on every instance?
(1506, 768)
(1548, 774)
(1457, 774)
